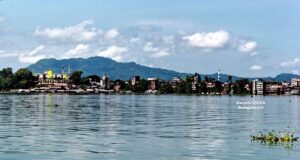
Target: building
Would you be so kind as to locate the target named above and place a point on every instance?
(257, 87)
(135, 80)
(274, 89)
(49, 78)
(195, 82)
(210, 85)
(175, 81)
(285, 84)
(117, 87)
(105, 82)
(295, 82)
(247, 87)
(295, 91)
(153, 84)
(226, 88)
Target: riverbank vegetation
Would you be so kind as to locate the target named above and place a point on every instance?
(22, 79)
(275, 137)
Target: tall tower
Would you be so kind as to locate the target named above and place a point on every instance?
(69, 70)
(219, 74)
(62, 69)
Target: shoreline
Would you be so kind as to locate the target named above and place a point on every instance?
(144, 94)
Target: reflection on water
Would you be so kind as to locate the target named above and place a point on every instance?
(141, 127)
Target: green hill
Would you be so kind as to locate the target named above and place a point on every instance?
(101, 66)
(104, 66)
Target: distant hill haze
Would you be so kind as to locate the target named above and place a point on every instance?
(116, 70)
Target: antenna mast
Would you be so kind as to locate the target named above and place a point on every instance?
(219, 74)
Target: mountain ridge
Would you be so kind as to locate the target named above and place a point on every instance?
(126, 70)
(104, 66)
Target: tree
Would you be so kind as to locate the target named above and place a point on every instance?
(94, 78)
(23, 79)
(208, 79)
(230, 78)
(184, 87)
(239, 87)
(6, 79)
(6, 72)
(203, 87)
(142, 86)
(218, 86)
(84, 81)
(128, 86)
(229, 84)
(76, 77)
(189, 79)
(121, 83)
(235, 89)
(166, 88)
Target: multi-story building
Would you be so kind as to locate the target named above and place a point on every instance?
(257, 87)
(295, 82)
(274, 89)
(105, 82)
(153, 84)
(49, 78)
(195, 82)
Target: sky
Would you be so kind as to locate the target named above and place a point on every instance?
(239, 37)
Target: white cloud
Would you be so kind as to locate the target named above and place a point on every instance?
(256, 67)
(155, 51)
(111, 34)
(247, 46)
(150, 48)
(290, 63)
(208, 40)
(295, 72)
(134, 40)
(77, 51)
(161, 53)
(33, 56)
(113, 52)
(7, 55)
(78, 32)
(168, 39)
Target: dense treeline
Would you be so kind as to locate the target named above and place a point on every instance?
(22, 79)
(185, 86)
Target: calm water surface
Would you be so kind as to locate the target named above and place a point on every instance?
(142, 127)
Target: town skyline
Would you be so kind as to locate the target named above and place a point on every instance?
(184, 37)
(73, 82)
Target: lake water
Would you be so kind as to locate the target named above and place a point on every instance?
(144, 127)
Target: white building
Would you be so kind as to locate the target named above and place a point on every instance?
(105, 82)
(257, 87)
(176, 79)
(295, 82)
(135, 80)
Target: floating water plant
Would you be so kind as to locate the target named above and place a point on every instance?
(274, 137)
